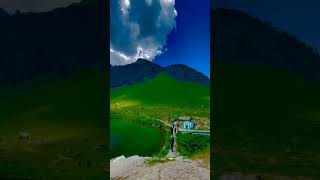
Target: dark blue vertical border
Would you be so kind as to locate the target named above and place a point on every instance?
(106, 26)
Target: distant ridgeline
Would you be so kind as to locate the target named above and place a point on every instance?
(241, 39)
(55, 43)
(142, 69)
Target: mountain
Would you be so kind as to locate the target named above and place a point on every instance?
(53, 88)
(143, 69)
(265, 100)
(241, 39)
(185, 73)
(133, 73)
(55, 43)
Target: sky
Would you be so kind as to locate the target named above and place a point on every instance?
(163, 31)
(139, 29)
(299, 18)
(33, 5)
(189, 42)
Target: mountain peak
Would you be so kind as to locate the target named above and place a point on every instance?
(133, 73)
(141, 61)
(143, 69)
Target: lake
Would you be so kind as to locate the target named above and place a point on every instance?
(128, 138)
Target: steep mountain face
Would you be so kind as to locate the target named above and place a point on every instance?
(185, 73)
(133, 73)
(142, 69)
(55, 43)
(240, 39)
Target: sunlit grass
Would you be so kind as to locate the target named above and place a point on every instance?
(116, 104)
(204, 156)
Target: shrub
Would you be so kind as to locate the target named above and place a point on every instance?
(165, 149)
(189, 144)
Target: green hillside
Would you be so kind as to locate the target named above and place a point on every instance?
(166, 96)
(65, 120)
(268, 121)
(153, 104)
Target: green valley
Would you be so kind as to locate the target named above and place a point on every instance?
(154, 103)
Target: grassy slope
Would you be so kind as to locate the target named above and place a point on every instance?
(65, 113)
(161, 99)
(267, 121)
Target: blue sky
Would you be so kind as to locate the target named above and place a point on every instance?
(189, 42)
(163, 31)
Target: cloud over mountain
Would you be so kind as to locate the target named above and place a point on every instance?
(139, 29)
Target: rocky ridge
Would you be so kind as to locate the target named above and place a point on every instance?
(135, 167)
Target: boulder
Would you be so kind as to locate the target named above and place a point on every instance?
(23, 136)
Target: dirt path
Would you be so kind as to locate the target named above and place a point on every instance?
(164, 122)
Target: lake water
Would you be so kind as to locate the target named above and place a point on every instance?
(128, 138)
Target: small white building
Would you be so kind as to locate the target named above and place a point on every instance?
(185, 122)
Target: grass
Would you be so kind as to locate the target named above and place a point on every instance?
(204, 156)
(191, 144)
(165, 148)
(267, 122)
(69, 115)
(161, 99)
(156, 101)
(66, 121)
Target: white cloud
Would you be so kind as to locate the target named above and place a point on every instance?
(139, 29)
(125, 5)
(149, 2)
